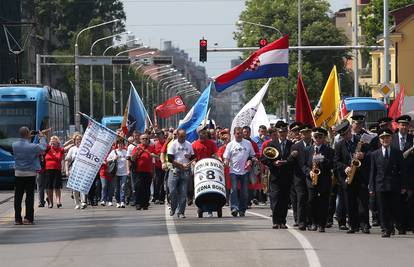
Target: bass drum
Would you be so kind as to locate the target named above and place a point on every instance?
(209, 186)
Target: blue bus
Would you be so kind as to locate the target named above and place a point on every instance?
(372, 108)
(35, 106)
(112, 122)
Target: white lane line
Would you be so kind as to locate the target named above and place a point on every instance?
(177, 247)
(310, 252)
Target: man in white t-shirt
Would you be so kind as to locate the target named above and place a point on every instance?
(180, 153)
(238, 156)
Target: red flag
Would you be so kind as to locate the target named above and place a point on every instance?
(170, 107)
(303, 108)
(396, 108)
(343, 109)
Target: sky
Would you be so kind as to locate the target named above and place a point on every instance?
(184, 22)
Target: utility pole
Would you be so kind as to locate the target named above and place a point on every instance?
(299, 36)
(355, 43)
(386, 48)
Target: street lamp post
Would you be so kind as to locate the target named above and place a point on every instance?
(103, 73)
(77, 78)
(114, 102)
(159, 88)
(146, 73)
(259, 25)
(160, 74)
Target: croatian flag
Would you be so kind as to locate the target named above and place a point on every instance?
(269, 61)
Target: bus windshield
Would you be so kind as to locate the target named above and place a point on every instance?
(113, 126)
(14, 115)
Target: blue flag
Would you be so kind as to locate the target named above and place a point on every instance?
(137, 114)
(196, 115)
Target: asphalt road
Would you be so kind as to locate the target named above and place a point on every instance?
(107, 236)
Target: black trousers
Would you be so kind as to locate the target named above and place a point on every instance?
(24, 185)
(373, 206)
(389, 208)
(159, 183)
(318, 206)
(332, 202)
(279, 195)
(143, 189)
(301, 200)
(341, 205)
(357, 206)
(407, 211)
(94, 194)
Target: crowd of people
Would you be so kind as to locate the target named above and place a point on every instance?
(344, 172)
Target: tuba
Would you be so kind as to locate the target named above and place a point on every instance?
(270, 152)
(315, 171)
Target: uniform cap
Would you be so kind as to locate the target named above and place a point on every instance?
(343, 127)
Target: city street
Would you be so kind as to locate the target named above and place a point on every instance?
(107, 236)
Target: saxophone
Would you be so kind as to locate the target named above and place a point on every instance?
(355, 164)
(315, 171)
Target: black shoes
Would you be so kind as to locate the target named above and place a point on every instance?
(58, 205)
(313, 227)
(385, 234)
(302, 227)
(321, 229)
(329, 224)
(234, 213)
(365, 230)
(343, 227)
(275, 226)
(138, 207)
(41, 205)
(241, 214)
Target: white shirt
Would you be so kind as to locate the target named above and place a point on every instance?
(400, 136)
(121, 161)
(237, 153)
(179, 150)
(70, 157)
(129, 150)
(383, 151)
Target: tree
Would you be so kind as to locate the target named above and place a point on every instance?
(317, 29)
(60, 21)
(372, 17)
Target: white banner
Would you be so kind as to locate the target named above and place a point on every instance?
(259, 119)
(95, 145)
(248, 112)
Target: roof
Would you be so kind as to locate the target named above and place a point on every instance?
(402, 14)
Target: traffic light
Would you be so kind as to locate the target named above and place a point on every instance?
(262, 42)
(203, 50)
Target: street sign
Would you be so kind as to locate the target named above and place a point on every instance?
(161, 60)
(94, 60)
(385, 89)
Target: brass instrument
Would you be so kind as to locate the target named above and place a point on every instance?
(265, 181)
(408, 152)
(270, 152)
(315, 171)
(355, 164)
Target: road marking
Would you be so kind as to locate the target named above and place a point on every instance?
(177, 247)
(310, 252)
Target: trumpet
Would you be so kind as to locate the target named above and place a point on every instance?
(315, 171)
(408, 152)
(270, 153)
(355, 164)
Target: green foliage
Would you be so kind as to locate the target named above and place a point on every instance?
(60, 21)
(372, 17)
(317, 29)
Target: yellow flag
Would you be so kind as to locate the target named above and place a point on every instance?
(326, 112)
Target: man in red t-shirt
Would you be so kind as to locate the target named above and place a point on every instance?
(142, 157)
(204, 147)
(159, 191)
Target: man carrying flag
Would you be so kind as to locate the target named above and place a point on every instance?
(269, 61)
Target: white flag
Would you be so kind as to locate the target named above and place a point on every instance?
(95, 145)
(259, 119)
(248, 112)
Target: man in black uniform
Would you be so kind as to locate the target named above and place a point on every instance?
(281, 175)
(387, 182)
(294, 136)
(402, 140)
(319, 157)
(383, 123)
(299, 176)
(356, 191)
